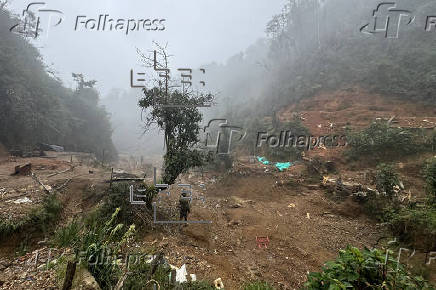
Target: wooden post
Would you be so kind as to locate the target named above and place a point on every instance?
(112, 173)
(154, 175)
(69, 275)
(102, 159)
(173, 278)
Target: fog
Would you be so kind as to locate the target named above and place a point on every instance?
(196, 32)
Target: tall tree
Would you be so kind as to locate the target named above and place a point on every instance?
(175, 112)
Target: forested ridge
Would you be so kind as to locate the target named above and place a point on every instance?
(35, 107)
(317, 45)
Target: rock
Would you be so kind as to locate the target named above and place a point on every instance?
(234, 223)
(4, 264)
(83, 280)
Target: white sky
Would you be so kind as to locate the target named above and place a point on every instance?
(197, 32)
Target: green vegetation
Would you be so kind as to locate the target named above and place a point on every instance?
(366, 269)
(258, 286)
(103, 234)
(39, 218)
(415, 226)
(386, 178)
(35, 107)
(414, 223)
(102, 240)
(430, 178)
(118, 197)
(68, 235)
(382, 141)
(180, 125)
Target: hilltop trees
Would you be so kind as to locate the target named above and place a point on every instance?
(36, 108)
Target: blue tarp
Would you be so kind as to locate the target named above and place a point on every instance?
(263, 160)
(280, 165)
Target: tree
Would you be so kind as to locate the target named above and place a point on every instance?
(180, 123)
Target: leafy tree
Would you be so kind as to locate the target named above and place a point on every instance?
(175, 113)
(180, 125)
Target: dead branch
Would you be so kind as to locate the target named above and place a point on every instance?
(66, 182)
(47, 188)
(124, 179)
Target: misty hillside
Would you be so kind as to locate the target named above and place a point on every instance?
(36, 108)
(244, 145)
(316, 47)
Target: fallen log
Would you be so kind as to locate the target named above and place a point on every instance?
(124, 179)
(66, 182)
(47, 188)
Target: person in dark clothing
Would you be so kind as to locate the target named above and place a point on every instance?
(184, 207)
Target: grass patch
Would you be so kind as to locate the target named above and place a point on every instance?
(67, 236)
(38, 219)
(258, 285)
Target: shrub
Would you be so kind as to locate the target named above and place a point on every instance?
(367, 269)
(386, 179)
(101, 240)
(67, 236)
(430, 178)
(415, 226)
(118, 197)
(138, 278)
(381, 140)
